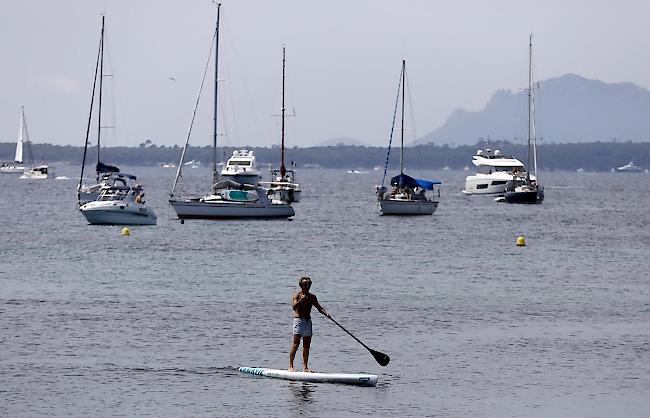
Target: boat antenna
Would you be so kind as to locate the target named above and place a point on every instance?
(90, 114)
(401, 152)
(216, 101)
(99, 109)
(283, 169)
(530, 101)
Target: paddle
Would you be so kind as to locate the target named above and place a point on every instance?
(381, 358)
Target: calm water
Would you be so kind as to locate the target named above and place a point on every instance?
(94, 324)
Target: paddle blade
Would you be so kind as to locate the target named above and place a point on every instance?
(381, 358)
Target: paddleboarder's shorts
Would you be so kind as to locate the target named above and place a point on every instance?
(302, 327)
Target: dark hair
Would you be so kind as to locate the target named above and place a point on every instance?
(304, 279)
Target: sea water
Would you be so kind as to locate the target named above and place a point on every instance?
(96, 324)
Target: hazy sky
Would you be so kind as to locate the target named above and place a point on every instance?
(343, 61)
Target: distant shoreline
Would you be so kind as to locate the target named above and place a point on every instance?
(594, 156)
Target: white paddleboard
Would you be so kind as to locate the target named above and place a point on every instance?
(359, 379)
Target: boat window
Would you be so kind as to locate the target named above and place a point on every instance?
(238, 162)
(494, 183)
(482, 186)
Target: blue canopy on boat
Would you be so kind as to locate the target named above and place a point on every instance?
(403, 180)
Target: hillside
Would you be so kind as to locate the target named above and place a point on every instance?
(570, 108)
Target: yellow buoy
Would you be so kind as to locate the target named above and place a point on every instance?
(125, 232)
(521, 241)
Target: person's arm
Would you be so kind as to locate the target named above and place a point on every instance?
(320, 308)
(299, 300)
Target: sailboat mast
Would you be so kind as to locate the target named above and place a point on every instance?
(99, 109)
(401, 152)
(283, 169)
(90, 115)
(216, 101)
(530, 98)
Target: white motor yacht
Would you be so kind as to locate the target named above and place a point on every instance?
(119, 205)
(242, 168)
(493, 171)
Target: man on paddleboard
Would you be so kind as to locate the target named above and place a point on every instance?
(302, 302)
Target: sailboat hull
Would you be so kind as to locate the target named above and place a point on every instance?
(118, 213)
(407, 207)
(525, 197)
(196, 209)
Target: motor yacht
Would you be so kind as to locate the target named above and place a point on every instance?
(493, 171)
(119, 205)
(242, 168)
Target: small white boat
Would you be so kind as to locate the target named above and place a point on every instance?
(17, 166)
(358, 379)
(356, 172)
(41, 172)
(193, 164)
(118, 205)
(628, 168)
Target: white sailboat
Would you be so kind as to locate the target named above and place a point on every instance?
(283, 181)
(524, 188)
(105, 173)
(408, 196)
(227, 198)
(40, 172)
(16, 166)
(116, 198)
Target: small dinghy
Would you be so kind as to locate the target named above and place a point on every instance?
(359, 379)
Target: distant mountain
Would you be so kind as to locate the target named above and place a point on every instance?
(570, 108)
(343, 140)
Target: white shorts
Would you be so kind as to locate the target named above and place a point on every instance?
(302, 327)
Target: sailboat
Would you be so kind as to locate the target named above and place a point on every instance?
(16, 166)
(408, 196)
(227, 198)
(116, 198)
(522, 188)
(283, 181)
(40, 172)
(105, 173)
